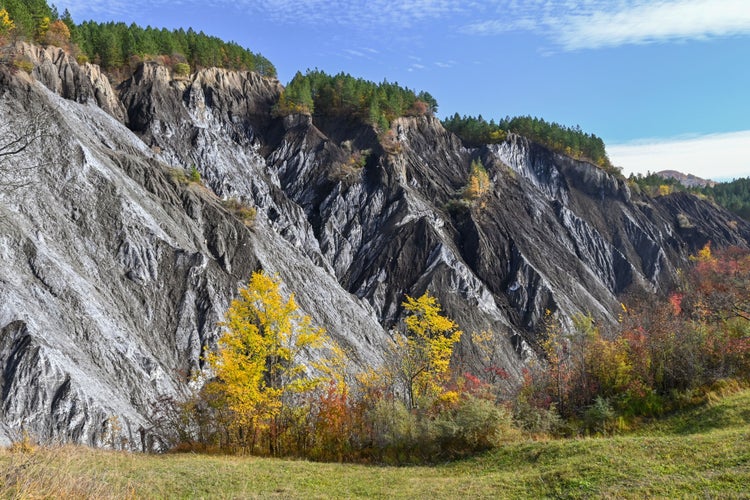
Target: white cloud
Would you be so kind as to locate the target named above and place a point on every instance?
(656, 21)
(362, 13)
(359, 14)
(715, 156)
(590, 24)
(498, 26)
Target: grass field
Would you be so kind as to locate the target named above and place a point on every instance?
(704, 452)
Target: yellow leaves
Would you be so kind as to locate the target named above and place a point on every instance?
(479, 182)
(42, 28)
(425, 319)
(610, 364)
(665, 189)
(258, 364)
(497, 136)
(448, 398)
(704, 254)
(426, 352)
(6, 23)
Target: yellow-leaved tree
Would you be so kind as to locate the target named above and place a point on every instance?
(258, 367)
(479, 182)
(424, 354)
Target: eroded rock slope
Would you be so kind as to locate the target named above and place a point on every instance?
(115, 273)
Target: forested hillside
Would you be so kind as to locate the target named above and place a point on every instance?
(734, 195)
(117, 46)
(316, 92)
(572, 141)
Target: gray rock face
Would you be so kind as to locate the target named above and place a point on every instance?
(115, 277)
(115, 274)
(85, 83)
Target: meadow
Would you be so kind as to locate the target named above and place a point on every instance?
(700, 452)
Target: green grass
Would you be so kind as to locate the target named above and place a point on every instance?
(703, 452)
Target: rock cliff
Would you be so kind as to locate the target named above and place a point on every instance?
(115, 272)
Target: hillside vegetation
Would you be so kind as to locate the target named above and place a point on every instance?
(118, 47)
(704, 452)
(572, 141)
(734, 195)
(425, 405)
(316, 92)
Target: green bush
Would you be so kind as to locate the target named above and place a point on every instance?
(24, 64)
(181, 69)
(600, 416)
(394, 430)
(474, 425)
(537, 420)
(194, 175)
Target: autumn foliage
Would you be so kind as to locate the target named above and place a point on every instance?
(261, 399)
(424, 404)
(479, 182)
(664, 354)
(260, 381)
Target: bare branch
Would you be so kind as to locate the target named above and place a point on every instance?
(16, 137)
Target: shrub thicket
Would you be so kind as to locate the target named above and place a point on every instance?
(664, 353)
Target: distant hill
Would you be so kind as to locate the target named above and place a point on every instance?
(687, 180)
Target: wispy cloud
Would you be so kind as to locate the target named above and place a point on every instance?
(653, 22)
(715, 156)
(363, 15)
(445, 64)
(354, 12)
(591, 24)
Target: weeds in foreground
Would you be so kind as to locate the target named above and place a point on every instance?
(32, 471)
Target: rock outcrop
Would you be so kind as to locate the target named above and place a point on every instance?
(115, 272)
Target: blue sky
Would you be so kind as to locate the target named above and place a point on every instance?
(664, 83)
